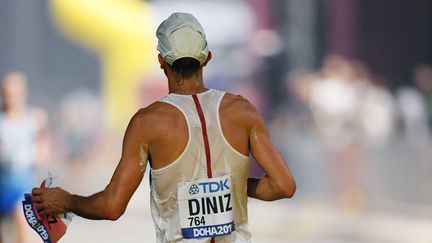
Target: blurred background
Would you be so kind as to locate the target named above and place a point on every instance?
(344, 85)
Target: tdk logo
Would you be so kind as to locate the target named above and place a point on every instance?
(194, 189)
(209, 187)
(214, 186)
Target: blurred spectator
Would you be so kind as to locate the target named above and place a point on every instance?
(376, 111)
(332, 120)
(346, 106)
(22, 138)
(333, 102)
(415, 104)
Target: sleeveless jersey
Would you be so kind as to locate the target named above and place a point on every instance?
(17, 142)
(17, 155)
(188, 194)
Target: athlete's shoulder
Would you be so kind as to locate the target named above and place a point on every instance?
(235, 102)
(240, 109)
(149, 122)
(154, 113)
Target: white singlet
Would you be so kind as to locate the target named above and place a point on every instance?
(190, 203)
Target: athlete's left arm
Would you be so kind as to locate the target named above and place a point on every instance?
(112, 201)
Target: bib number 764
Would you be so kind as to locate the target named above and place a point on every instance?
(196, 221)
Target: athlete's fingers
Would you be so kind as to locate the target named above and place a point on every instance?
(42, 211)
(36, 199)
(38, 206)
(38, 191)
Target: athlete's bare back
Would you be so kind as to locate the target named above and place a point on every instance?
(167, 134)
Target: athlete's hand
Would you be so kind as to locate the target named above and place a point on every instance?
(51, 201)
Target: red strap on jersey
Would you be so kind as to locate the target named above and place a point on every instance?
(205, 136)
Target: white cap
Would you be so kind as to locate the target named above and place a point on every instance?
(181, 35)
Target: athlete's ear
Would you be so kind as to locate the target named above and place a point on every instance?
(162, 61)
(209, 57)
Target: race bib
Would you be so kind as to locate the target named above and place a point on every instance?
(206, 208)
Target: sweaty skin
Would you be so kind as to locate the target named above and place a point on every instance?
(143, 156)
(150, 135)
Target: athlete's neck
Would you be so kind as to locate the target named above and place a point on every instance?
(186, 86)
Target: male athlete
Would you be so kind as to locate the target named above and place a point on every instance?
(198, 142)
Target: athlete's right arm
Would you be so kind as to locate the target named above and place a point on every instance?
(277, 182)
(112, 201)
